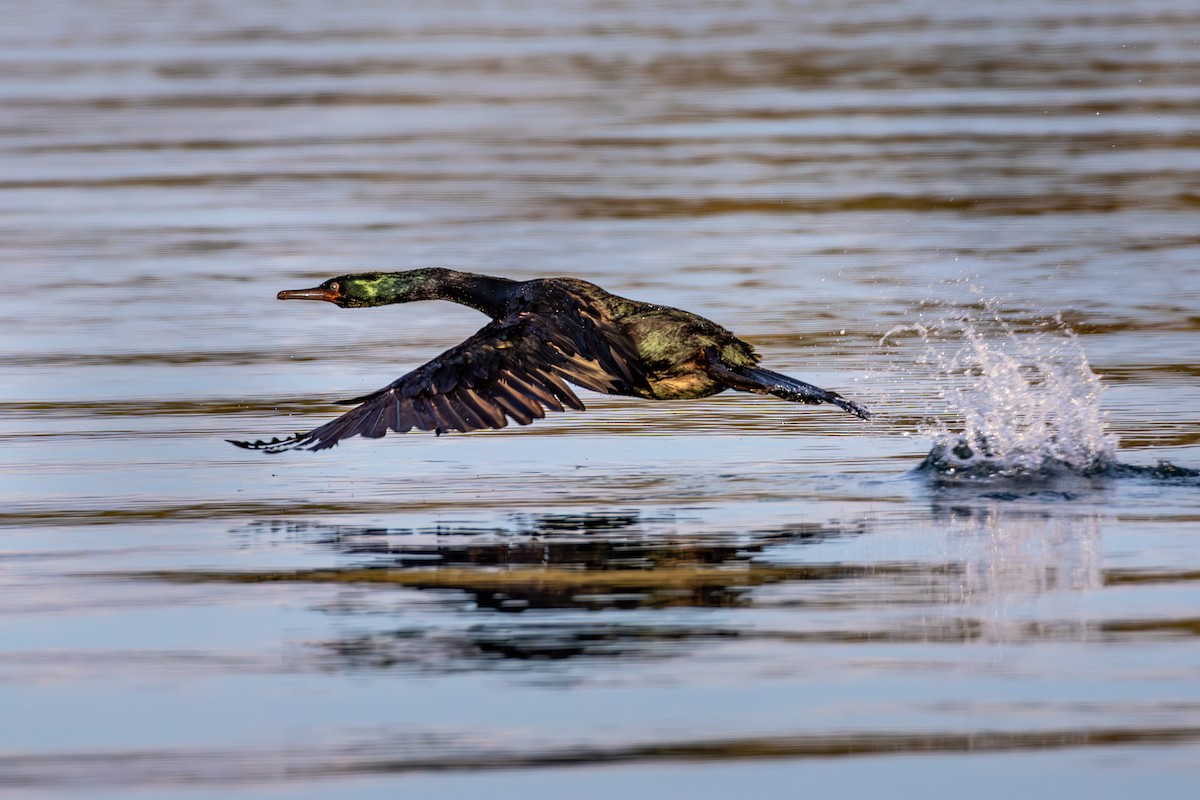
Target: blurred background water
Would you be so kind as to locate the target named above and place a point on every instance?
(709, 597)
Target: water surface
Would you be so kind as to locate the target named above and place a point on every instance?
(642, 599)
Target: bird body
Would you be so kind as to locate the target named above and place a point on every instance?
(544, 334)
(671, 344)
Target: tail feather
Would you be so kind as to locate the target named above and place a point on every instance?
(764, 381)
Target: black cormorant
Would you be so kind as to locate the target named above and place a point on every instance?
(544, 334)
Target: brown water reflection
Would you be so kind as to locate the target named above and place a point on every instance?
(607, 562)
(140, 770)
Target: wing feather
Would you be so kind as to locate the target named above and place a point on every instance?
(517, 368)
(488, 412)
(513, 405)
(426, 420)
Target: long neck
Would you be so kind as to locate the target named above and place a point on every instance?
(481, 292)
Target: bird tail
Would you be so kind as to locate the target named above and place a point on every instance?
(764, 381)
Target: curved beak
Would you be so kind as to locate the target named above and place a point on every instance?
(317, 293)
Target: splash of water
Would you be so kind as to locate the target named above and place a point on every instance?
(1018, 403)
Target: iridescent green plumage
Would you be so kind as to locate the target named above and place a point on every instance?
(544, 334)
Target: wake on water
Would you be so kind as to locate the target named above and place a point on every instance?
(1020, 407)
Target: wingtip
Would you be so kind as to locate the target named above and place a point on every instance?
(276, 445)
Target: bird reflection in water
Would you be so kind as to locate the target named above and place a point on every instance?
(626, 565)
(655, 593)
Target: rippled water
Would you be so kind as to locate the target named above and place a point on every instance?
(697, 598)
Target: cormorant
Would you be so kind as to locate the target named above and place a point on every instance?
(544, 333)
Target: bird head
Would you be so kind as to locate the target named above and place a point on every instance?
(366, 289)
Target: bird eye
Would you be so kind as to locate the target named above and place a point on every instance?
(335, 287)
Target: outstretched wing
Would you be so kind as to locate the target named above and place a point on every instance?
(513, 369)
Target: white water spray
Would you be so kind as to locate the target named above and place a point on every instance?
(1016, 403)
